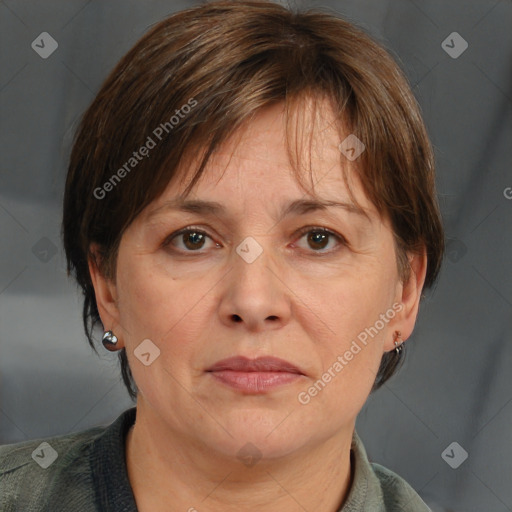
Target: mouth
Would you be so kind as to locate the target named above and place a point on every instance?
(255, 376)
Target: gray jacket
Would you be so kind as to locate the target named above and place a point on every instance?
(86, 472)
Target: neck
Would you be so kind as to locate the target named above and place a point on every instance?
(169, 472)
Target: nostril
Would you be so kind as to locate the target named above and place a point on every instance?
(236, 318)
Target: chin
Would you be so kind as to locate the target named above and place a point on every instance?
(263, 432)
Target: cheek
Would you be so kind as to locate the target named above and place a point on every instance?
(356, 302)
(358, 315)
(158, 309)
(148, 304)
(170, 312)
(350, 358)
(143, 300)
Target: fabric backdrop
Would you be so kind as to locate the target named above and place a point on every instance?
(456, 384)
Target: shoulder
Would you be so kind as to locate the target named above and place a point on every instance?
(55, 466)
(19, 456)
(398, 495)
(376, 488)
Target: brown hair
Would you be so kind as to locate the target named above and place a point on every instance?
(226, 60)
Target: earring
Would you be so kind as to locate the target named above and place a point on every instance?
(398, 346)
(109, 341)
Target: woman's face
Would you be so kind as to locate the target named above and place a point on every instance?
(259, 279)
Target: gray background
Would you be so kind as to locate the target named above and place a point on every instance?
(456, 382)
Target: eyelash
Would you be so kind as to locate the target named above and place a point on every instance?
(307, 229)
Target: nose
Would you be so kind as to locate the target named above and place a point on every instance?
(254, 295)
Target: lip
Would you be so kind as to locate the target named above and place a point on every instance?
(255, 376)
(260, 364)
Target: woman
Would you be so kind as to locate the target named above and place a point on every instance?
(250, 212)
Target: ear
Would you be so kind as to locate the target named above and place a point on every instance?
(106, 293)
(409, 295)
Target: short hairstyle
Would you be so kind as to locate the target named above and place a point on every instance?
(194, 78)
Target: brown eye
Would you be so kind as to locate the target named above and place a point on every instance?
(187, 240)
(318, 239)
(193, 240)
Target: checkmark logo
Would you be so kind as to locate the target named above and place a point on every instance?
(44, 249)
(454, 455)
(44, 45)
(455, 250)
(249, 249)
(146, 352)
(146, 356)
(45, 455)
(249, 455)
(454, 45)
(352, 147)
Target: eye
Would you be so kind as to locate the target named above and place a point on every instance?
(192, 239)
(318, 238)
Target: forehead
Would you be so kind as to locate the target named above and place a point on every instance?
(255, 169)
(257, 156)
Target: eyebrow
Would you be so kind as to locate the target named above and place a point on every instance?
(297, 207)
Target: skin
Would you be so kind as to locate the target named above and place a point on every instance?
(290, 303)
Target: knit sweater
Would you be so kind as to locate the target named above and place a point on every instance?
(86, 472)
